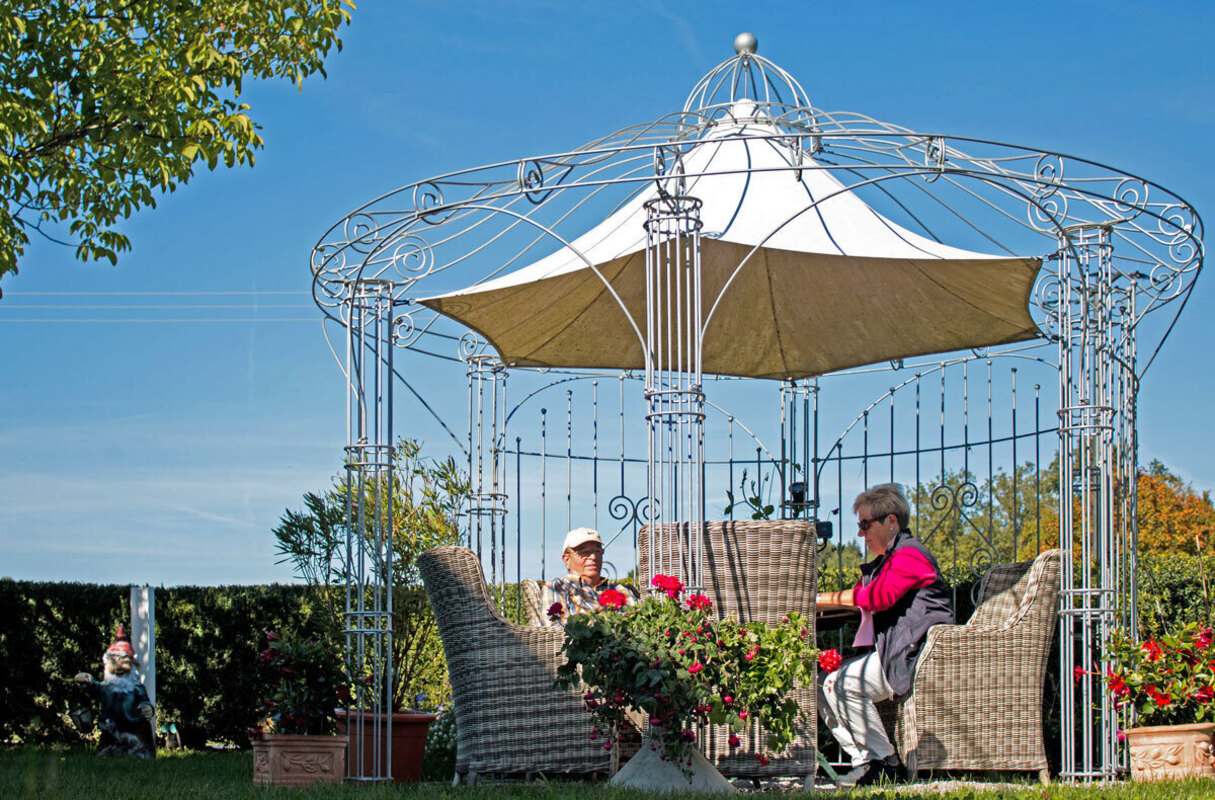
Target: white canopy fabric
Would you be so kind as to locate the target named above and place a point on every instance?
(799, 278)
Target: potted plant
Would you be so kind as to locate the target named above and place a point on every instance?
(667, 660)
(1169, 683)
(296, 744)
(426, 496)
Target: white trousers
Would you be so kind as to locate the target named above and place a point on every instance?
(846, 701)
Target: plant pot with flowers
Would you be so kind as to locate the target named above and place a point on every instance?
(668, 661)
(1169, 682)
(295, 743)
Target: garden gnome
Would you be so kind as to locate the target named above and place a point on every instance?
(126, 711)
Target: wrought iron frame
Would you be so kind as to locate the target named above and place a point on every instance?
(1122, 248)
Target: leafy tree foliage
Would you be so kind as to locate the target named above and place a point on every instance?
(426, 498)
(104, 104)
(1173, 517)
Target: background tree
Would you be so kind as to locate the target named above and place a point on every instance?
(106, 103)
(1173, 517)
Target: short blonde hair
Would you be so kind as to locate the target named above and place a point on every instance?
(883, 500)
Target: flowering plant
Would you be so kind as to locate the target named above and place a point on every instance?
(307, 683)
(672, 661)
(1168, 681)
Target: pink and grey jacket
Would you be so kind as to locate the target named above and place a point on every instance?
(906, 594)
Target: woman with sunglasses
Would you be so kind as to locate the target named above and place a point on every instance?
(901, 595)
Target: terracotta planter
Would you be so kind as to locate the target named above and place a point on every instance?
(408, 744)
(286, 760)
(1172, 752)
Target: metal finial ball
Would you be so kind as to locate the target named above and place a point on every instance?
(745, 43)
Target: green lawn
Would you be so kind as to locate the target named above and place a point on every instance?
(43, 773)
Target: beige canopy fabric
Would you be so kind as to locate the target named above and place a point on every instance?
(799, 278)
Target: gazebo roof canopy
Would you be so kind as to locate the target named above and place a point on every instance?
(800, 276)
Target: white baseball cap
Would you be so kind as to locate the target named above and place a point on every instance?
(580, 536)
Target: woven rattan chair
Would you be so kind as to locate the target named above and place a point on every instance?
(755, 571)
(976, 702)
(530, 592)
(509, 719)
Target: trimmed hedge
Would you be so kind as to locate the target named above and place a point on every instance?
(207, 642)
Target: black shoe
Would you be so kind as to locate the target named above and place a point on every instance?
(882, 771)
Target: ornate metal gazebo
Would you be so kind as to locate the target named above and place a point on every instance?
(631, 225)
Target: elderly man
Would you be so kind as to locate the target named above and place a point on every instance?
(579, 590)
(901, 595)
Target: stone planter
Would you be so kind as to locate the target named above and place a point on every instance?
(649, 772)
(1171, 752)
(287, 760)
(408, 744)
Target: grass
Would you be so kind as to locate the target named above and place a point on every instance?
(32, 773)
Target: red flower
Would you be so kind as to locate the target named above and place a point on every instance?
(762, 759)
(697, 667)
(555, 611)
(699, 601)
(830, 660)
(1204, 639)
(611, 598)
(672, 586)
(1152, 649)
(1078, 673)
(734, 740)
(1204, 695)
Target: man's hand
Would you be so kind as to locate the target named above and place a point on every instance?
(83, 677)
(148, 711)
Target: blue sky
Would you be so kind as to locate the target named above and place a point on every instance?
(157, 417)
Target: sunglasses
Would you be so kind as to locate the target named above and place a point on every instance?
(864, 524)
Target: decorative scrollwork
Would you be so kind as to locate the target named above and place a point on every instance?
(1048, 175)
(1131, 197)
(412, 256)
(630, 513)
(934, 158)
(360, 231)
(531, 181)
(428, 203)
(470, 345)
(404, 332)
(1048, 212)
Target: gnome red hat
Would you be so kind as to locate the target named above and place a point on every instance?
(121, 645)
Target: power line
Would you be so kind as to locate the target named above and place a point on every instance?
(76, 321)
(146, 294)
(104, 307)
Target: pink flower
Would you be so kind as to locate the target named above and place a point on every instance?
(1204, 639)
(1205, 694)
(611, 598)
(742, 714)
(829, 660)
(699, 601)
(697, 667)
(672, 586)
(555, 611)
(1078, 673)
(607, 745)
(727, 699)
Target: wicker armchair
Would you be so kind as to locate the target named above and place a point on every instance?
(976, 702)
(509, 719)
(755, 571)
(530, 592)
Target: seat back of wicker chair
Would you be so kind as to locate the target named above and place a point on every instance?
(1019, 609)
(531, 592)
(509, 718)
(755, 571)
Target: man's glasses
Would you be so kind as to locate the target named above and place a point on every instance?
(864, 524)
(587, 553)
